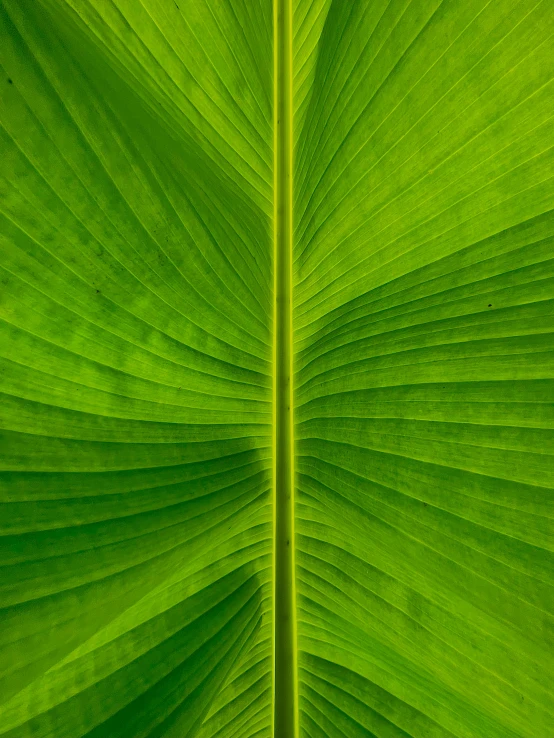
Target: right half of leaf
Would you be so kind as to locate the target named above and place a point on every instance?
(423, 308)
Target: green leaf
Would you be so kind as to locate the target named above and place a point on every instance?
(423, 327)
(136, 369)
(276, 310)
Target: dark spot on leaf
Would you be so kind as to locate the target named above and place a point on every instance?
(9, 81)
(490, 305)
(288, 542)
(97, 291)
(425, 504)
(178, 388)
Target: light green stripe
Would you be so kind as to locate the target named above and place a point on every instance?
(285, 616)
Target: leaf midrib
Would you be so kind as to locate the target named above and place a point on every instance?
(284, 611)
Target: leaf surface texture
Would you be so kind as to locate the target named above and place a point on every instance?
(137, 352)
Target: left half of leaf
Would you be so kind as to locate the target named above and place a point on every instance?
(135, 368)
